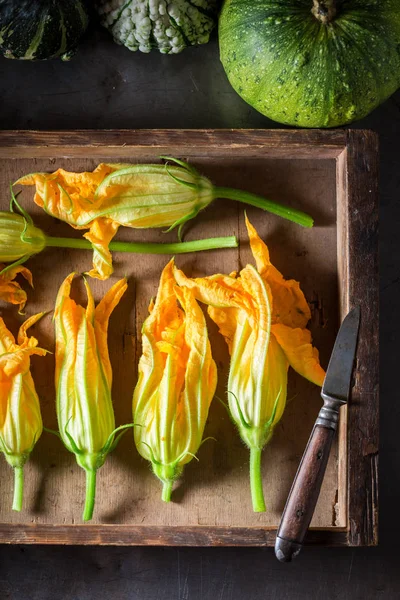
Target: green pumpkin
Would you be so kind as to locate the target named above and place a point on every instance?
(40, 29)
(312, 63)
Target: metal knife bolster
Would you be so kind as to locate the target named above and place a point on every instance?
(328, 416)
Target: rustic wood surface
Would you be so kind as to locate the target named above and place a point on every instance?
(150, 142)
(363, 413)
(155, 535)
(214, 492)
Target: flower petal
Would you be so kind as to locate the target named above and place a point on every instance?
(289, 304)
(12, 272)
(221, 291)
(228, 320)
(23, 339)
(14, 358)
(101, 317)
(66, 195)
(301, 355)
(100, 235)
(68, 317)
(7, 340)
(70, 197)
(165, 313)
(11, 291)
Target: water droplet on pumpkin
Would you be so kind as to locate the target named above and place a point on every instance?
(302, 60)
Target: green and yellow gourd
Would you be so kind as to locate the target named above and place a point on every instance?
(168, 26)
(312, 63)
(40, 29)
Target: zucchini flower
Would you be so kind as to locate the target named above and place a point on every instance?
(138, 196)
(20, 418)
(83, 380)
(10, 290)
(177, 381)
(263, 319)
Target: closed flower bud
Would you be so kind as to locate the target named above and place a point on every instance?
(19, 238)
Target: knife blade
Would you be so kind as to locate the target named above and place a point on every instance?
(303, 496)
(338, 375)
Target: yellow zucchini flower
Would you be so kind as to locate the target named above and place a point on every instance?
(177, 381)
(263, 319)
(83, 380)
(10, 290)
(20, 418)
(138, 196)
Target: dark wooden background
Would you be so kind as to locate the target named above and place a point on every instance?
(106, 86)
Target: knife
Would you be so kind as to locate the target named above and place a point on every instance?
(306, 486)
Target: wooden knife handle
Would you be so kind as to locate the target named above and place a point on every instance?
(304, 494)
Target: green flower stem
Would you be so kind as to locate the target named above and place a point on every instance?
(149, 248)
(297, 216)
(18, 488)
(257, 495)
(166, 491)
(90, 494)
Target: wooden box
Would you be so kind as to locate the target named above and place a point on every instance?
(330, 174)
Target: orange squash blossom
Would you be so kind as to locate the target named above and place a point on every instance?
(83, 380)
(177, 381)
(138, 196)
(20, 417)
(263, 319)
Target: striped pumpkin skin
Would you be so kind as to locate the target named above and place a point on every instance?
(41, 29)
(299, 71)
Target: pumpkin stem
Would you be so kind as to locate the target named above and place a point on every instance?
(324, 10)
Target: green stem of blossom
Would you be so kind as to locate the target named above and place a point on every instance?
(18, 488)
(257, 495)
(166, 491)
(148, 248)
(90, 494)
(286, 212)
